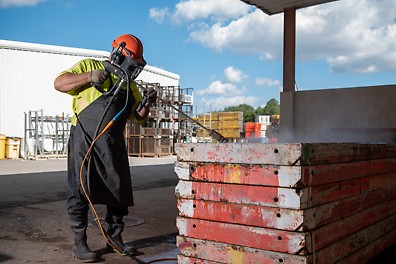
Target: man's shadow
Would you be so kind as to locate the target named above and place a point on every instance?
(139, 244)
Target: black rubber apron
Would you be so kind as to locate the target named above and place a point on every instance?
(109, 179)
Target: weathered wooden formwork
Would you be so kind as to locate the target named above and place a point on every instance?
(285, 203)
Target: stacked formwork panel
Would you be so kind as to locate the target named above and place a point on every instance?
(285, 203)
(228, 124)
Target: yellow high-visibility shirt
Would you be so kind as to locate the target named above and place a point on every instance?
(84, 97)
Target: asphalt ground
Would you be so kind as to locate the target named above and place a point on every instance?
(34, 221)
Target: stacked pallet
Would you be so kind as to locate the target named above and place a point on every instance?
(148, 141)
(285, 203)
(228, 124)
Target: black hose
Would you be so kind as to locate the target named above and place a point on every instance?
(103, 117)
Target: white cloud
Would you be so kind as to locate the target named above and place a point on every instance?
(260, 81)
(267, 82)
(218, 87)
(219, 103)
(351, 35)
(159, 14)
(254, 33)
(8, 3)
(226, 93)
(196, 9)
(234, 75)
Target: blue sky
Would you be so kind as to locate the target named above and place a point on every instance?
(229, 52)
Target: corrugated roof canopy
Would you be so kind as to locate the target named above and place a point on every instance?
(272, 7)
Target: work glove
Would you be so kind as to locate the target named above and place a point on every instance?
(98, 77)
(151, 95)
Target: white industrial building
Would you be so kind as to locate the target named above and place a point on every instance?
(27, 75)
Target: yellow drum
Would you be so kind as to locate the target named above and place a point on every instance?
(2, 146)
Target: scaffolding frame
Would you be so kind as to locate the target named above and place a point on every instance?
(165, 126)
(45, 136)
(162, 112)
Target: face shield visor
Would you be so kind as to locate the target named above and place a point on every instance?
(132, 67)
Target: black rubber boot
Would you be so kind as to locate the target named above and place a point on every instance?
(80, 248)
(116, 226)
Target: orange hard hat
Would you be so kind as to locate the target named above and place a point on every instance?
(133, 46)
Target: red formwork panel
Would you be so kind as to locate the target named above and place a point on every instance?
(264, 175)
(371, 249)
(331, 241)
(331, 233)
(252, 215)
(289, 154)
(281, 154)
(330, 222)
(293, 198)
(244, 194)
(328, 173)
(198, 249)
(367, 242)
(319, 203)
(298, 243)
(357, 241)
(325, 193)
(280, 175)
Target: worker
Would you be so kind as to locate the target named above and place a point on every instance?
(106, 173)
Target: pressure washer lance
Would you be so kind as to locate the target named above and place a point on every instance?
(212, 133)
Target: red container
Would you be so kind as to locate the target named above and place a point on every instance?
(250, 126)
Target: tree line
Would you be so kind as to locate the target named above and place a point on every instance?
(249, 113)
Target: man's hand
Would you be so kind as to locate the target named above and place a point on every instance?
(151, 95)
(98, 77)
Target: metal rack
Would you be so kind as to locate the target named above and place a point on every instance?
(164, 126)
(45, 136)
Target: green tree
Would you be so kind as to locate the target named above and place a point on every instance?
(249, 114)
(260, 111)
(271, 108)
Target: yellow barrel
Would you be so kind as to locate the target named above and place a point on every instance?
(2, 146)
(12, 148)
